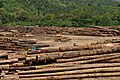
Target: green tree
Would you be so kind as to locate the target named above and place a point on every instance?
(1, 4)
(66, 22)
(23, 15)
(106, 20)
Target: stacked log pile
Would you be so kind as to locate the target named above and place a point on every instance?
(15, 34)
(90, 31)
(16, 44)
(100, 59)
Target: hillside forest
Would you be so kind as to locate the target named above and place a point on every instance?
(77, 13)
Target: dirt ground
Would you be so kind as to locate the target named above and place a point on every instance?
(78, 40)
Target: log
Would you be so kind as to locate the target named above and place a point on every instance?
(4, 67)
(44, 50)
(41, 45)
(101, 59)
(62, 49)
(17, 64)
(80, 47)
(86, 57)
(76, 76)
(36, 45)
(117, 60)
(79, 67)
(31, 58)
(77, 63)
(7, 66)
(34, 52)
(23, 68)
(48, 70)
(50, 49)
(3, 55)
(86, 71)
(8, 61)
(11, 77)
(27, 41)
(98, 65)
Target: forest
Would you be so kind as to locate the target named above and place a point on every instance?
(70, 13)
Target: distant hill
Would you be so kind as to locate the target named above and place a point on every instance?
(60, 12)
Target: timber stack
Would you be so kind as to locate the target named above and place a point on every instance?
(90, 31)
(67, 62)
(47, 62)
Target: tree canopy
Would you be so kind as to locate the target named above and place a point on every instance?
(77, 13)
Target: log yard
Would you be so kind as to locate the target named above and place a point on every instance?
(59, 53)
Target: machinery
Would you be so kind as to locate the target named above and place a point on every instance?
(33, 47)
